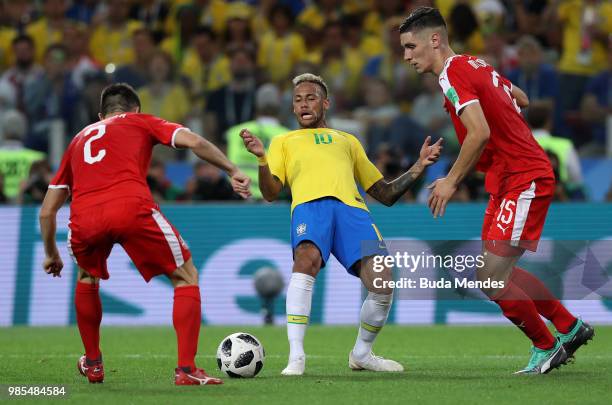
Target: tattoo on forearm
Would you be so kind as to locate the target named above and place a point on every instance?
(389, 192)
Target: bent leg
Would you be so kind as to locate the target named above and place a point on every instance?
(515, 304)
(547, 304)
(373, 316)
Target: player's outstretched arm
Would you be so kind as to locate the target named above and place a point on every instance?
(205, 150)
(475, 141)
(389, 192)
(54, 199)
(269, 185)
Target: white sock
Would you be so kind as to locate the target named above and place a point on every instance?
(299, 300)
(374, 312)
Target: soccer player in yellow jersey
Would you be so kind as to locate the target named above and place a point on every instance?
(321, 166)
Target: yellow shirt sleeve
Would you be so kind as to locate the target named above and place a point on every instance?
(365, 172)
(276, 158)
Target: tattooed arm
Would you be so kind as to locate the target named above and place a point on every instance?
(389, 192)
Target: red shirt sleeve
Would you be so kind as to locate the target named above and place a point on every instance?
(456, 83)
(63, 177)
(163, 131)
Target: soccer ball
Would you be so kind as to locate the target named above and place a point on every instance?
(240, 355)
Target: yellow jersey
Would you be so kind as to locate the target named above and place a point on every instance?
(322, 162)
(43, 35)
(108, 45)
(593, 60)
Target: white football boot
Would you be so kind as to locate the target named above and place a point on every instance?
(374, 363)
(295, 367)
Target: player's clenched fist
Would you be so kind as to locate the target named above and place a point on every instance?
(53, 265)
(252, 143)
(241, 183)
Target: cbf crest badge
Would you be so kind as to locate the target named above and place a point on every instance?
(301, 229)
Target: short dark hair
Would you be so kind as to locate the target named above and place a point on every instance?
(423, 17)
(118, 97)
(539, 115)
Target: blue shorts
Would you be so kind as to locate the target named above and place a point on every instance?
(337, 228)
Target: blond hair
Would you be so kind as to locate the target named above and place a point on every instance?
(311, 78)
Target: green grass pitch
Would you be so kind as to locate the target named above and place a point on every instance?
(443, 365)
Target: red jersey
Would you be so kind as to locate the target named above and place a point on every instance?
(512, 157)
(109, 159)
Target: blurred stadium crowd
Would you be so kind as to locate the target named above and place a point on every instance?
(217, 66)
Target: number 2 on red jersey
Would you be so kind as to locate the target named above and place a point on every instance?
(101, 130)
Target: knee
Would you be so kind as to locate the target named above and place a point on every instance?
(84, 277)
(185, 275)
(307, 259)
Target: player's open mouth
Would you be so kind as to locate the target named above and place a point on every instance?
(306, 116)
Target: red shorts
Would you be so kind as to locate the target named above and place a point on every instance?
(514, 219)
(152, 243)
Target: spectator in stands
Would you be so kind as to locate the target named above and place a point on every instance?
(390, 66)
(530, 17)
(427, 113)
(83, 10)
(15, 158)
(14, 16)
(49, 29)
(379, 110)
(238, 31)
(586, 26)
(153, 15)
(33, 190)
(23, 72)
(560, 186)
(357, 48)
(336, 68)
(177, 44)
(322, 12)
(209, 184)
(136, 74)
(89, 107)
(464, 31)
(235, 102)
(79, 63)
(266, 126)
(281, 43)
(539, 118)
(260, 21)
(211, 13)
(161, 187)
(539, 80)
(53, 96)
(111, 41)
(206, 68)
(375, 19)
(164, 97)
(597, 103)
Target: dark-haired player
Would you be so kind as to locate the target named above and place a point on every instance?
(105, 168)
(494, 137)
